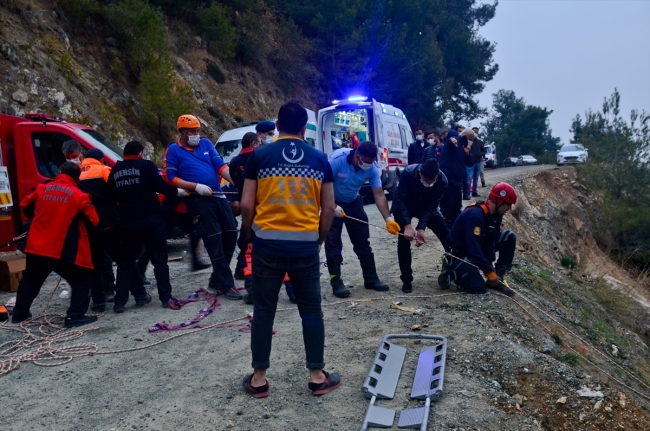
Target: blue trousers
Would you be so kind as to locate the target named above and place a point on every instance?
(472, 174)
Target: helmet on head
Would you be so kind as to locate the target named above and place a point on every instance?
(503, 193)
(187, 122)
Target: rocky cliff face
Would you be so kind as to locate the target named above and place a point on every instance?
(46, 67)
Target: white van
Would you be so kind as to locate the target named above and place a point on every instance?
(229, 143)
(383, 124)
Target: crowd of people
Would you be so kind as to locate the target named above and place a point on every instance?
(292, 198)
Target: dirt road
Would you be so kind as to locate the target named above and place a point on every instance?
(193, 382)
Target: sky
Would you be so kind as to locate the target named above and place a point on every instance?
(568, 55)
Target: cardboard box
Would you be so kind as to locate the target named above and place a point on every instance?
(11, 271)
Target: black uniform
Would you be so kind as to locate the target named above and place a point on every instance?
(415, 152)
(415, 200)
(236, 166)
(135, 184)
(476, 237)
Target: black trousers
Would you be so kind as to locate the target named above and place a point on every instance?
(148, 233)
(359, 233)
(104, 244)
(243, 245)
(451, 203)
(37, 269)
(437, 225)
(215, 224)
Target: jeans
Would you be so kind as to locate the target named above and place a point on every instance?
(37, 269)
(451, 203)
(469, 278)
(216, 225)
(268, 274)
(439, 227)
(473, 174)
(150, 233)
(358, 232)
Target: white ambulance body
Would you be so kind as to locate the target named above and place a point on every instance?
(383, 124)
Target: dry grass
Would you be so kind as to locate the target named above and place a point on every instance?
(613, 300)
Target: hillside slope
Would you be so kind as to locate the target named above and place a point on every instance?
(47, 67)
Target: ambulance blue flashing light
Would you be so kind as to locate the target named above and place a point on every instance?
(357, 98)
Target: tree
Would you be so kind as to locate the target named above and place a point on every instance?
(164, 97)
(220, 33)
(619, 170)
(424, 56)
(517, 128)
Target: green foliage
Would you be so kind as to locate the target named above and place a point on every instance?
(140, 30)
(214, 22)
(78, 12)
(517, 128)
(164, 97)
(571, 359)
(289, 57)
(619, 171)
(253, 37)
(65, 65)
(557, 339)
(568, 262)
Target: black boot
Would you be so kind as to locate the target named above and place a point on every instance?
(338, 288)
(109, 290)
(503, 287)
(248, 285)
(370, 278)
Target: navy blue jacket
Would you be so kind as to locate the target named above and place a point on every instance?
(415, 200)
(453, 160)
(134, 183)
(474, 236)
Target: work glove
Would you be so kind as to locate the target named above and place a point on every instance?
(493, 281)
(338, 212)
(392, 226)
(203, 190)
(182, 193)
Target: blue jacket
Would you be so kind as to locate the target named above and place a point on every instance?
(453, 160)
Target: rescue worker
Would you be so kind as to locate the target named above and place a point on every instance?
(287, 209)
(351, 169)
(249, 142)
(193, 164)
(265, 131)
(135, 183)
(104, 237)
(416, 149)
(419, 192)
(72, 151)
(474, 240)
(58, 241)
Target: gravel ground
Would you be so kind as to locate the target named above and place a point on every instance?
(193, 382)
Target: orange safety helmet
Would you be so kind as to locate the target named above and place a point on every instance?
(503, 193)
(188, 122)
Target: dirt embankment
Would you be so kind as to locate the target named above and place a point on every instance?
(507, 368)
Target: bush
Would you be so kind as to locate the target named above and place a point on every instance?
(215, 72)
(253, 36)
(140, 29)
(568, 262)
(571, 359)
(215, 25)
(78, 11)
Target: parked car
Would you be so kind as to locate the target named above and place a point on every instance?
(509, 162)
(491, 156)
(526, 160)
(572, 153)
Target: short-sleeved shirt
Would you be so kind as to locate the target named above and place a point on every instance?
(289, 174)
(348, 181)
(201, 164)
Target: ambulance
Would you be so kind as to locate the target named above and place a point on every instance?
(356, 119)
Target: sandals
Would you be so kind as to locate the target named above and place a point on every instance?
(332, 381)
(255, 391)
